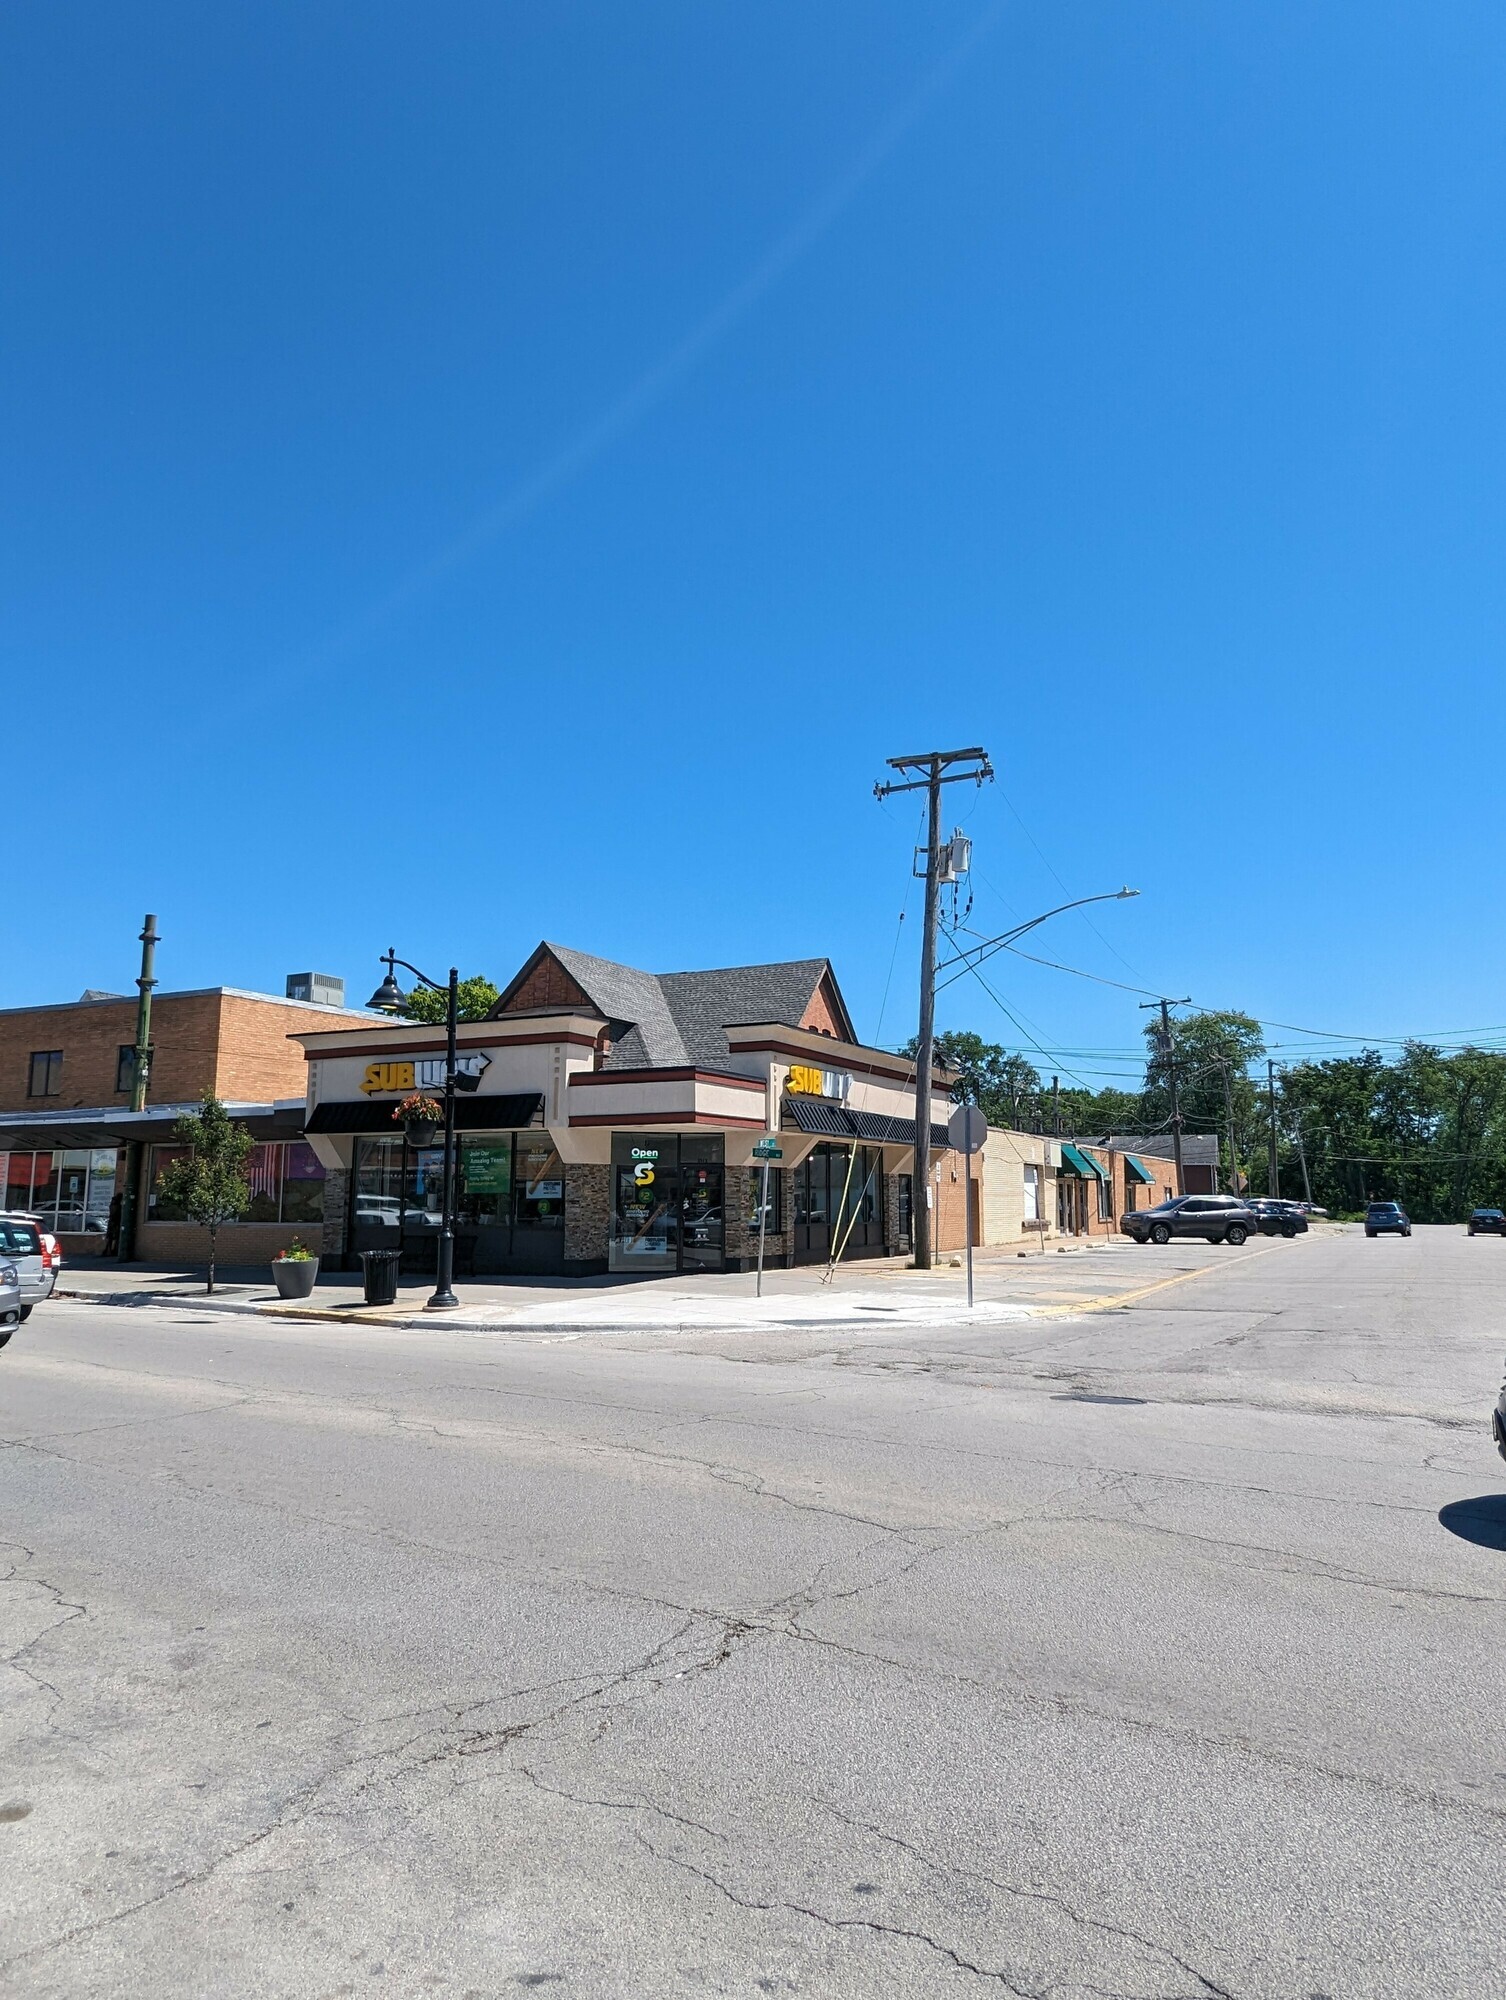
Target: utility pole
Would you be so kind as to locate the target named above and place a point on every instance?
(1273, 1165)
(1056, 1107)
(1171, 1072)
(130, 1193)
(1307, 1186)
(940, 767)
(1234, 1187)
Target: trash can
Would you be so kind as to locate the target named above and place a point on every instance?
(380, 1269)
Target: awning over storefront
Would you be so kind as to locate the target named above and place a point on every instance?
(834, 1121)
(109, 1126)
(472, 1114)
(1139, 1170)
(1077, 1162)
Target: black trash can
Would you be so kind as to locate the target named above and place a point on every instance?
(380, 1269)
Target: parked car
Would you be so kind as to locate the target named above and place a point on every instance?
(1279, 1218)
(21, 1244)
(1487, 1222)
(10, 1301)
(1221, 1218)
(1387, 1218)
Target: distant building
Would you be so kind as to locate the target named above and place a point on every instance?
(1200, 1156)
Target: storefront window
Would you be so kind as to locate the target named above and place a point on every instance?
(18, 1181)
(539, 1178)
(287, 1184)
(773, 1222)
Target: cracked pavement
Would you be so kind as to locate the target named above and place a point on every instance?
(1114, 1655)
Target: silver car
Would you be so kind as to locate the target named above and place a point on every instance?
(21, 1245)
(10, 1301)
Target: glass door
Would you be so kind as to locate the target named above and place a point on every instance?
(645, 1218)
(700, 1216)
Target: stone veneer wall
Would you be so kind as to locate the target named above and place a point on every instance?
(336, 1212)
(891, 1216)
(588, 1212)
(741, 1191)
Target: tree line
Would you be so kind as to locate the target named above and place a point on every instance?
(1426, 1127)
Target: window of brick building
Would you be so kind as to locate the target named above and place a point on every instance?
(46, 1073)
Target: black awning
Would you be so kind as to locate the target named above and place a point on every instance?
(820, 1116)
(472, 1114)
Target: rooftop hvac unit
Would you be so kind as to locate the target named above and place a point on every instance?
(321, 987)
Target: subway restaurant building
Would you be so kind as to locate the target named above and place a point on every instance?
(619, 1124)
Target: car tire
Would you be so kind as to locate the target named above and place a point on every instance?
(1235, 1234)
(1160, 1234)
(1288, 1229)
(25, 1314)
(1370, 1232)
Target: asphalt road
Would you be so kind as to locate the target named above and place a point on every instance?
(1152, 1652)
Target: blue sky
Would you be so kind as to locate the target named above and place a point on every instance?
(476, 473)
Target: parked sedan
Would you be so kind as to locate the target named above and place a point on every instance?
(1279, 1218)
(1220, 1218)
(10, 1301)
(1487, 1222)
(1387, 1218)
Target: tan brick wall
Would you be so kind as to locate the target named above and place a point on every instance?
(1005, 1157)
(239, 1242)
(238, 1047)
(949, 1232)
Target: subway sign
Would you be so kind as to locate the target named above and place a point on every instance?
(423, 1073)
(805, 1080)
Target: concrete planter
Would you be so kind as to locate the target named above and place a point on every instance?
(295, 1278)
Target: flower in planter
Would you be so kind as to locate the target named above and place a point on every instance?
(416, 1109)
(297, 1252)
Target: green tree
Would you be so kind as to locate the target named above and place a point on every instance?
(475, 997)
(1203, 1044)
(209, 1183)
(1003, 1085)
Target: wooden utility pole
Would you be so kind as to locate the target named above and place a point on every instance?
(1307, 1186)
(938, 769)
(1234, 1175)
(130, 1193)
(1273, 1164)
(1171, 1075)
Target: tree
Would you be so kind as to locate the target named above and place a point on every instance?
(1005, 1087)
(209, 1183)
(1203, 1044)
(475, 996)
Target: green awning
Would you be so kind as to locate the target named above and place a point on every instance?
(1137, 1168)
(1082, 1163)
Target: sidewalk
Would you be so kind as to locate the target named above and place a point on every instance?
(1006, 1287)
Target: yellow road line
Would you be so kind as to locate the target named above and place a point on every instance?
(1109, 1299)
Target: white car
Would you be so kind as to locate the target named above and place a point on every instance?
(10, 1301)
(23, 1244)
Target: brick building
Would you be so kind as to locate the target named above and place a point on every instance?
(614, 1123)
(68, 1135)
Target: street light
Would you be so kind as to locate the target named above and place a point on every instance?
(389, 998)
(974, 956)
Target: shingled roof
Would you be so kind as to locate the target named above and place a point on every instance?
(674, 1020)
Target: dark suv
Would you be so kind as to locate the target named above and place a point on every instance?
(1221, 1218)
(1279, 1218)
(1387, 1218)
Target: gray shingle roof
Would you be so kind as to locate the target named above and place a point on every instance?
(1199, 1149)
(705, 1004)
(675, 1020)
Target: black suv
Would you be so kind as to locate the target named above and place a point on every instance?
(1279, 1218)
(1221, 1218)
(1487, 1222)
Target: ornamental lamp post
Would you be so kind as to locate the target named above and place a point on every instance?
(389, 998)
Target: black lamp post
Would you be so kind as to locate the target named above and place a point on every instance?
(390, 999)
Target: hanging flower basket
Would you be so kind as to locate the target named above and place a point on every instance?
(420, 1117)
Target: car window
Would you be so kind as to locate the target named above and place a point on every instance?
(19, 1239)
(1196, 1207)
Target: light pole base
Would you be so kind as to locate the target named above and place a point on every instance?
(441, 1302)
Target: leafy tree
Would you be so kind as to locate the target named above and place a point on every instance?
(1005, 1086)
(209, 1183)
(1202, 1045)
(475, 998)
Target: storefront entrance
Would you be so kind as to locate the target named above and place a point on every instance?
(839, 1203)
(509, 1203)
(667, 1206)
